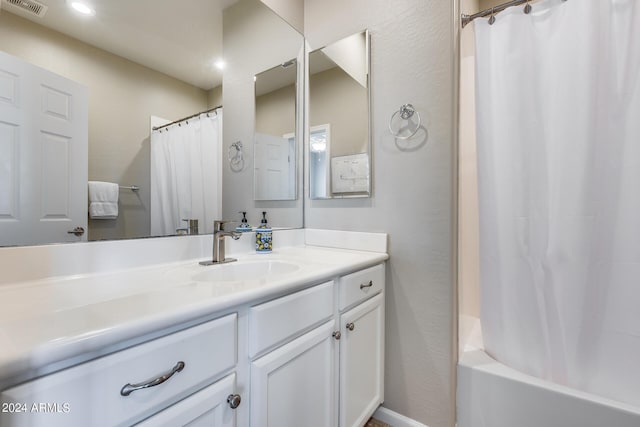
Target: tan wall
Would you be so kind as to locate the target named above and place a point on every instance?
(276, 111)
(214, 97)
(291, 11)
(486, 4)
(347, 116)
(468, 225)
(122, 97)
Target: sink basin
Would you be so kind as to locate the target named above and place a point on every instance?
(246, 270)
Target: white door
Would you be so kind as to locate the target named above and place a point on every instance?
(272, 168)
(361, 362)
(295, 385)
(206, 408)
(43, 155)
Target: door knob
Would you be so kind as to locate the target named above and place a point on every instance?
(78, 231)
(351, 326)
(336, 335)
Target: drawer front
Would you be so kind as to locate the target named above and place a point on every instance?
(276, 321)
(90, 394)
(208, 407)
(359, 286)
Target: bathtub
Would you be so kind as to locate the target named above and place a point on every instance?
(490, 394)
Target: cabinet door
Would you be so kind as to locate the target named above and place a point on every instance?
(295, 385)
(206, 408)
(361, 362)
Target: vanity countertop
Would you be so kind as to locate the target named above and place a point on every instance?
(45, 323)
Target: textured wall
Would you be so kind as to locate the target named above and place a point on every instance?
(412, 61)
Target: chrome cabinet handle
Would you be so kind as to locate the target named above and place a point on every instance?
(130, 388)
(337, 335)
(351, 326)
(366, 285)
(234, 400)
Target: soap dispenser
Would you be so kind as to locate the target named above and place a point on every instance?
(244, 224)
(264, 236)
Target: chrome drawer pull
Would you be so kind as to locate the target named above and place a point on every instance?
(366, 285)
(351, 326)
(130, 388)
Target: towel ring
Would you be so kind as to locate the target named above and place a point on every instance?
(405, 112)
(236, 158)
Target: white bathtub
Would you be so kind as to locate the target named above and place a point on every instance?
(491, 394)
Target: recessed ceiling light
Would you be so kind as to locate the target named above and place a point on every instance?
(219, 64)
(83, 8)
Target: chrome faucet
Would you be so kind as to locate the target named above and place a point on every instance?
(218, 243)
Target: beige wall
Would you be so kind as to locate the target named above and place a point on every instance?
(468, 261)
(337, 99)
(122, 97)
(412, 61)
(214, 97)
(486, 4)
(276, 111)
(291, 11)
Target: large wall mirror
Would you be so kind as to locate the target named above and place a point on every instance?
(339, 135)
(105, 79)
(274, 149)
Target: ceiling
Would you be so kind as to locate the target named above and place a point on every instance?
(180, 38)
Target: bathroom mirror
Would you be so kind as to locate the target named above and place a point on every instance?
(274, 149)
(142, 63)
(339, 135)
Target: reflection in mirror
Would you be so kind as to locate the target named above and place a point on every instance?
(108, 78)
(339, 137)
(270, 43)
(274, 150)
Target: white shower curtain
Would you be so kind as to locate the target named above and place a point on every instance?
(558, 140)
(186, 175)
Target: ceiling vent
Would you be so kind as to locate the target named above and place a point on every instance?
(29, 6)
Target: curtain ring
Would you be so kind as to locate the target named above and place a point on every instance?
(527, 8)
(492, 19)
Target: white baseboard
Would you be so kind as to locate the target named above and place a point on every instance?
(394, 419)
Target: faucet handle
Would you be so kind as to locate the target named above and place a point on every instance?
(218, 224)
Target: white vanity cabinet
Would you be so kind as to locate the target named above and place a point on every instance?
(330, 375)
(294, 385)
(210, 407)
(361, 345)
(111, 391)
(311, 357)
(361, 361)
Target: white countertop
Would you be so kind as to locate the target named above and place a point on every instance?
(48, 322)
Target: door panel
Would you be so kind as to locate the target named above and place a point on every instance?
(43, 149)
(361, 362)
(294, 385)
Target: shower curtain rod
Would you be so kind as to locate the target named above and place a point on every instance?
(492, 11)
(186, 118)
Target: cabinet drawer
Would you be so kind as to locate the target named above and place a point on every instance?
(275, 321)
(92, 391)
(208, 407)
(361, 285)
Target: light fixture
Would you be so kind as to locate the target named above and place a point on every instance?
(318, 141)
(219, 64)
(83, 8)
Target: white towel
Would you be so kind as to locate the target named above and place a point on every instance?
(103, 200)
